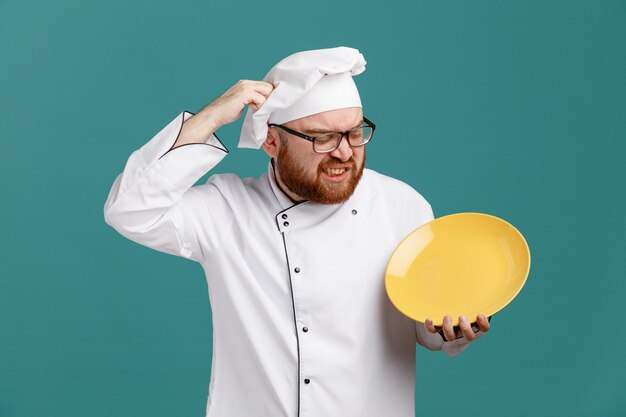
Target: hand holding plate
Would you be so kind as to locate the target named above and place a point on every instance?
(464, 329)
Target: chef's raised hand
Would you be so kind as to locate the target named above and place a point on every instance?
(223, 110)
(450, 332)
(229, 106)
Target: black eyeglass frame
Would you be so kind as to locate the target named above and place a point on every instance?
(311, 139)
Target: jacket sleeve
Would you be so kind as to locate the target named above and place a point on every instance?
(153, 201)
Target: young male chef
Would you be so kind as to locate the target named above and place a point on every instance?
(294, 259)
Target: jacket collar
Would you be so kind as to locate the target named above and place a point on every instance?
(307, 214)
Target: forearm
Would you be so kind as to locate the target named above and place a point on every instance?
(196, 129)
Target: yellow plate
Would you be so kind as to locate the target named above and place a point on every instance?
(461, 264)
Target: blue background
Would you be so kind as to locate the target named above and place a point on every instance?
(511, 108)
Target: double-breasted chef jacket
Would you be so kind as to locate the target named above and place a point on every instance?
(302, 325)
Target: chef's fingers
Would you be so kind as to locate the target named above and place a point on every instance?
(260, 87)
(260, 93)
(466, 328)
(256, 100)
(430, 326)
(247, 87)
(252, 93)
(263, 88)
(229, 106)
(483, 323)
(448, 329)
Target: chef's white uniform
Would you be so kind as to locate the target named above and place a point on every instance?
(302, 324)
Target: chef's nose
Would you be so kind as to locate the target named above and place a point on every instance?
(343, 151)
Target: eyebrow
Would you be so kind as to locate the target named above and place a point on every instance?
(311, 131)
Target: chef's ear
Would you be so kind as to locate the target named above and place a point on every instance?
(272, 143)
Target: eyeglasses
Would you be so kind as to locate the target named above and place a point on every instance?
(328, 142)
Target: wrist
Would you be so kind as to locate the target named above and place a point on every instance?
(196, 129)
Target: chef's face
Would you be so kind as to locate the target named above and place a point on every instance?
(328, 178)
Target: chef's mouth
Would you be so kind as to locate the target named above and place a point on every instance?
(337, 170)
(333, 172)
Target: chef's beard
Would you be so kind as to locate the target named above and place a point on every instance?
(295, 177)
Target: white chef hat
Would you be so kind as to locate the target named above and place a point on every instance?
(305, 83)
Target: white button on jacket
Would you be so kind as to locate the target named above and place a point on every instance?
(302, 324)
